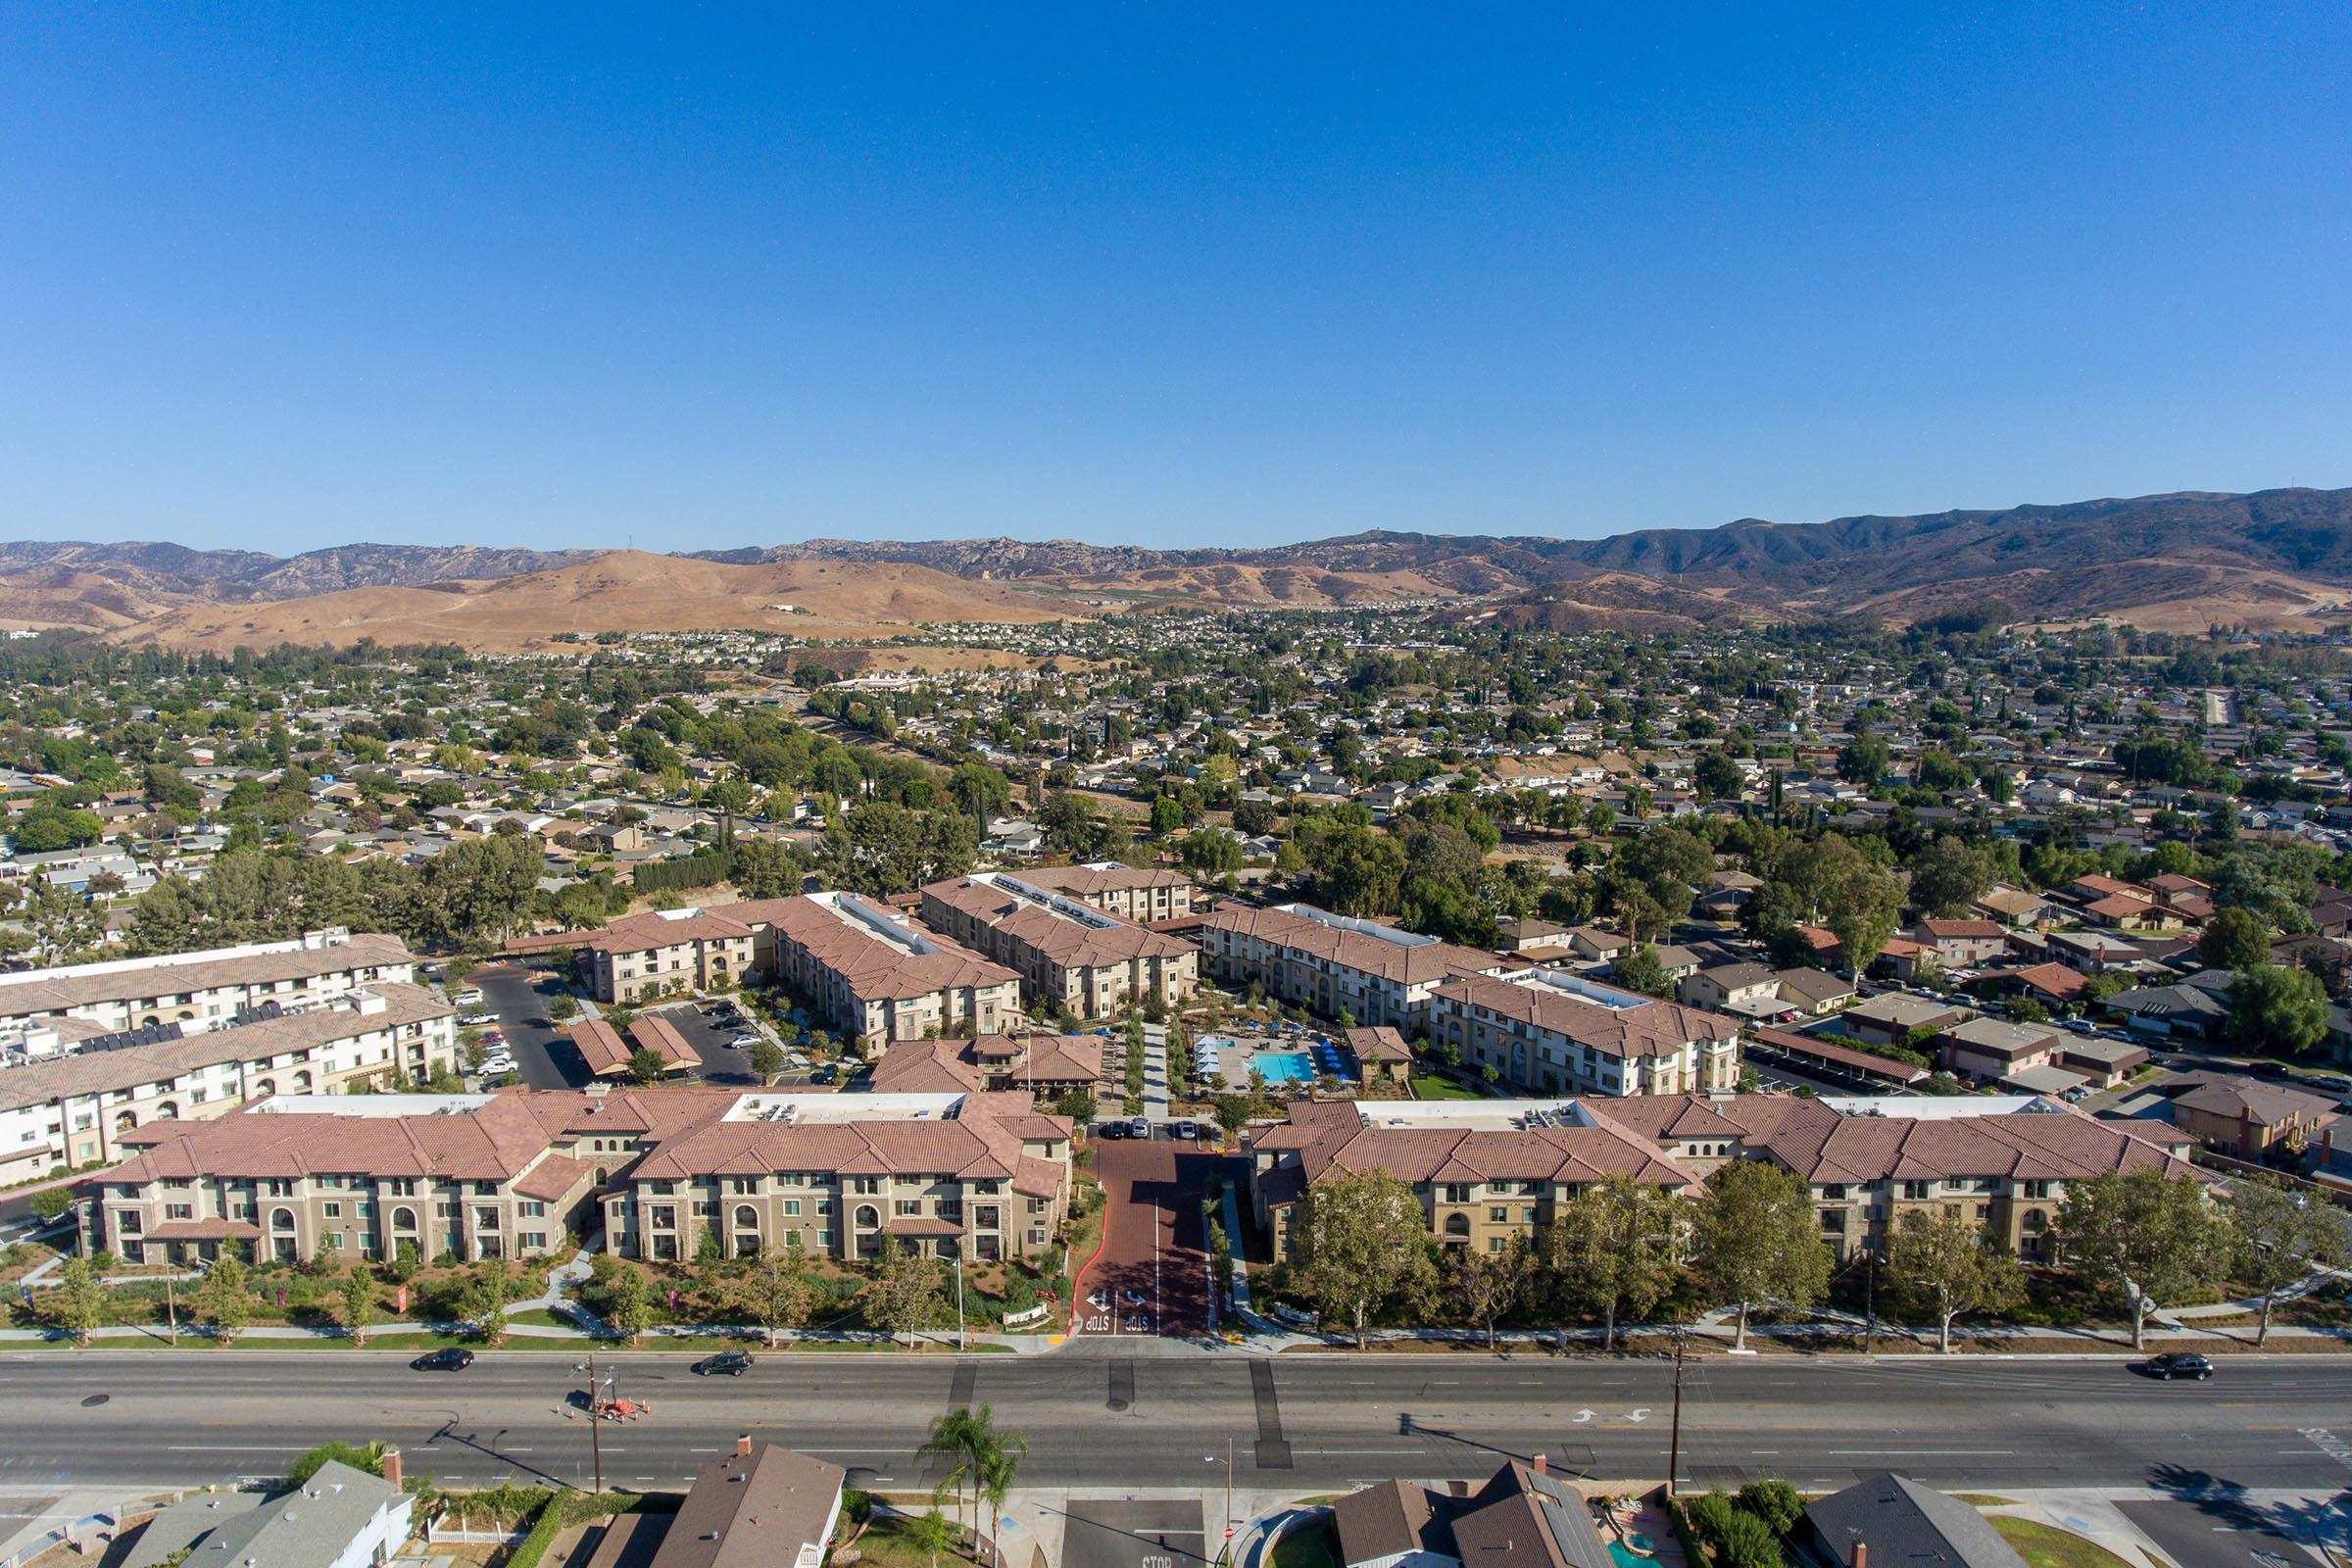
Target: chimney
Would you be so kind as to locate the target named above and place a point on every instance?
(742, 1445)
(1541, 1464)
(392, 1470)
(1861, 1555)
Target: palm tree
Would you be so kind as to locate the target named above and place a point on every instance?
(957, 1437)
(997, 1468)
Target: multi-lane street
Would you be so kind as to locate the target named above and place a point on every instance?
(1097, 1417)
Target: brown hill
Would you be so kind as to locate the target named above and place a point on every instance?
(621, 592)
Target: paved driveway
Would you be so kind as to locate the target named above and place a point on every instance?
(1151, 1274)
(2231, 1531)
(543, 1053)
(1149, 1533)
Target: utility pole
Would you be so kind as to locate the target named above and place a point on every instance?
(171, 1306)
(1226, 1553)
(962, 1339)
(1674, 1443)
(596, 1436)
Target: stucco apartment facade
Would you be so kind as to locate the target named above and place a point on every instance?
(512, 1174)
(1552, 1032)
(1135, 893)
(662, 953)
(1332, 963)
(77, 1106)
(1492, 1171)
(878, 976)
(1070, 955)
(209, 986)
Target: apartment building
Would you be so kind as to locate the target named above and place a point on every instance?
(509, 1174)
(1492, 1171)
(1071, 956)
(946, 1174)
(876, 976)
(1333, 963)
(1136, 893)
(1554, 1032)
(77, 1106)
(662, 953)
(205, 987)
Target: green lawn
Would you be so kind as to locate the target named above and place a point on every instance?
(1429, 1086)
(1308, 1543)
(2047, 1546)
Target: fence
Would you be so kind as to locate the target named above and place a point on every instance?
(1034, 1314)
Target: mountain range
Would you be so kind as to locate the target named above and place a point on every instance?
(2182, 560)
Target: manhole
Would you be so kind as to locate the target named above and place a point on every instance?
(96, 1398)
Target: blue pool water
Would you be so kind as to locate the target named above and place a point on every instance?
(1627, 1559)
(1285, 1067)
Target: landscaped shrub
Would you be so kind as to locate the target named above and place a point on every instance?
(1711, 1516)
(1776, 1503)
(1748, 1542)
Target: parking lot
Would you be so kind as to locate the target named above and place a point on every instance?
(518, 998)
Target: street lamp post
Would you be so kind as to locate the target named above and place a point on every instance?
(962, 1339)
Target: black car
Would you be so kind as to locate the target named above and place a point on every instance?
(2178, 1364)
(824, 1075)
(1110, 1129)
(734, 1364)
(456, 1359)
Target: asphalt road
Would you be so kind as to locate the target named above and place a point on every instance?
(1099, 1418)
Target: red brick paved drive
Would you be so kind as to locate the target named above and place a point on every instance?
(1151, 1274)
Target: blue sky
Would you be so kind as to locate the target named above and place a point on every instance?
(279, 276)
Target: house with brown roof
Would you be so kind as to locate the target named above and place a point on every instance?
(1071, 956)
(761, 1506)
(1380, 1051)
(2249, 1119)
(1333, 963)
(1554, 1032)
(1522, 1517)
(1961, 942)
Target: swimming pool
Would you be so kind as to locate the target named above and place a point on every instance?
(1283, 1066)
(1629, 1554)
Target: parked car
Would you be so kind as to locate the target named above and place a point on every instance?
(729, 1363)
(744, 1042)
(1185, 1130)
(456, 1359)
(825, 1074)
(1110, 1129)
(2178, 1364)
(1139, 1128)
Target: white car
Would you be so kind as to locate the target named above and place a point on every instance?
(498, 1065)
(744, 1042)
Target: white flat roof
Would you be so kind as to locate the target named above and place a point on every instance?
(372, 1104)
(1456, 1115)
(829, 1108)
(1937, 1108)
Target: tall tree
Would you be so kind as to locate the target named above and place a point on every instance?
(1613, 1249)
(2281, 1236)
(76, 1303)
(1362, 1242)
(628, 1306)
(1759, 1240)
(904, 1296)
(776, 1294)
(2234, 939)
(1484, 1287)
(1945, 1264)
(354, 1298)
(2143, 1238)
(2276, 1010)
(226, 1299)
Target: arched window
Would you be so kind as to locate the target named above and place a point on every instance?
(127, 1121)
(404, 1218)
(281, 1219)
(1457, 1224)
(868, 1216)
(267, 1086)
(168, 1111)
(301, 1080)
(747, 1218)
